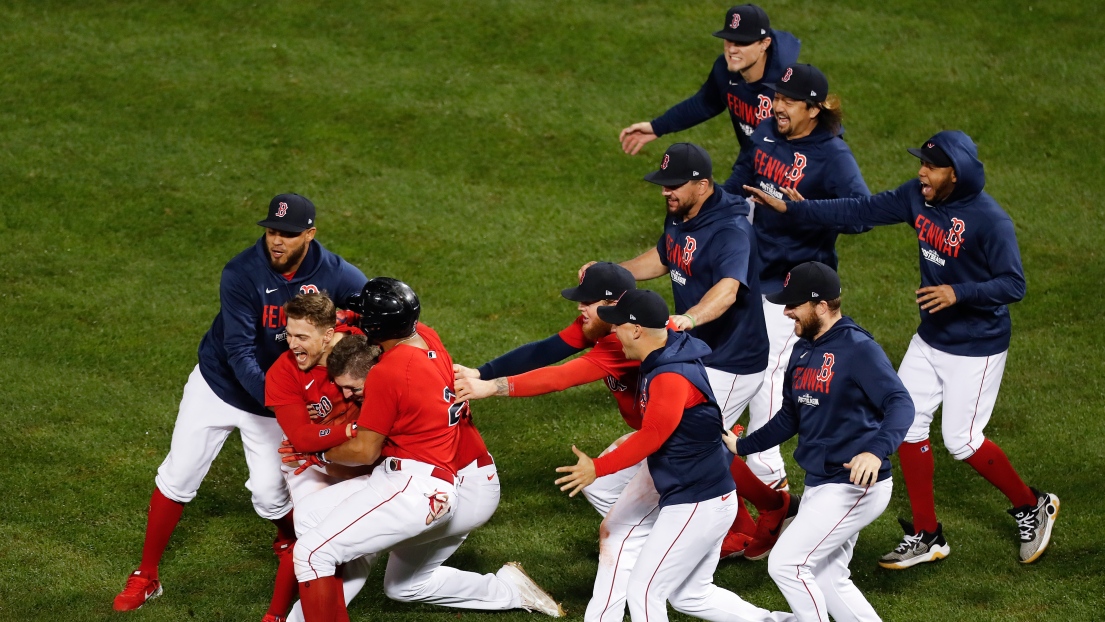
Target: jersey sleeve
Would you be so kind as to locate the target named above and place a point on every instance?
(382, 390)
(281, 384)
(845, 180)
(304, 434)
(1004, 258)
(733, 251)
(546, 380)
(350, 283)
(670, 394)
(240, 321)
(885, 208)
(744, 171)
(881, 384)
(705, 104)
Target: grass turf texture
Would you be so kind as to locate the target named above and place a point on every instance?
(471, 151)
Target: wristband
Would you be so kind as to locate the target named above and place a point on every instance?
(689, 317)
(322, 457)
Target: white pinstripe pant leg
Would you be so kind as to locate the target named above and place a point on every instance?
(810, 561)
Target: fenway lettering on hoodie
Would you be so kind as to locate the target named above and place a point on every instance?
(719, 243)
(966, 241)
(818, 166)
(748, 103)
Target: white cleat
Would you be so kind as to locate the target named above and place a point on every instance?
(533, 597)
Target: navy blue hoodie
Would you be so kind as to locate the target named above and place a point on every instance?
(748, 103)
(692, 465)
(248, 334)
(819, 166)
(841, 397)
(719, 243)
(966, 241)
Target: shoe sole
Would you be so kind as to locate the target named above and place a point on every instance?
(1047, 530)
(152, 596)
(934, 554)
(522, 571)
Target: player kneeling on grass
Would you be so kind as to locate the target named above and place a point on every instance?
(970, 271)
(680, 436)
(413, 504)
(311, 411)
(850, 411)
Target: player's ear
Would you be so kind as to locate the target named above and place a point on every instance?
(310, 233)
(765, 43)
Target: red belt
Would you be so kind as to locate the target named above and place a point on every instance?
(395, 464)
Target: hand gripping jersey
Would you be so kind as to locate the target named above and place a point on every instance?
(819, 166)
(841, 397)
(748, 103)
(309, 407)
(248, 334)
(966, 241)
(410, 399)
(719, 243)
(681, 429)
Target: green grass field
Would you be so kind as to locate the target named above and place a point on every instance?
(470, 149)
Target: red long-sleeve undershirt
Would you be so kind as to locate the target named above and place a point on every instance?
(556, 378)
(669, 395)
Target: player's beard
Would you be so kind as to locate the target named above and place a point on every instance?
(680, 210)
(289, 259)
(595, 329)
(809, 327)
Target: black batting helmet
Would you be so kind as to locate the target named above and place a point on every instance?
(389, 309)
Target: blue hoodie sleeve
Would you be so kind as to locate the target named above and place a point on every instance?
(743, 174)
(240, 321)
(780, 428)
(706, 104)
(878, 380)
(1004, 259)
(885, 208)
(350, 283)
(845, 180)
(528, 358)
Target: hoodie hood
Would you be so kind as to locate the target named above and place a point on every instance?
(842, 327)
(681, 348)
(782, 53)
(969, 172)
(720, 206)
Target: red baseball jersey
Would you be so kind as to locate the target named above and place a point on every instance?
(410, 400)
(622, 374)
(302, 400)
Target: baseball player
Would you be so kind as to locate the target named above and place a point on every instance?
(310, 408)
(754, 56)
(408, 504)
(850, 412)
(799, 150)
(226, 390)
(970, 270)
(686, 464)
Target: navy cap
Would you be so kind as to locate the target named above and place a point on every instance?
(602, 281)
(637, 306)
(802, 81)
(933, 154)
(682, 162)
(290, 213)
(808, 282)
(745, 24)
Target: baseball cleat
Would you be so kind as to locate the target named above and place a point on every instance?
(779, 484)
(770, 526)
(140, 589)
(1035, 523)
(533, 597)
(916, 548)
(734, 544)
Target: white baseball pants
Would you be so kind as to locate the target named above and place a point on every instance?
(967, 386)
(810, 561)
(634, 539)
(203, 424)
(733, 392)
(768, 465)
(388, 510)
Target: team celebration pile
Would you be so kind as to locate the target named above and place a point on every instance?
(357, 423)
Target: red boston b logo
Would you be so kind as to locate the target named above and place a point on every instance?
(789, 73)
(283, 209)
(736, 21)
(786, 280)
(664, 164)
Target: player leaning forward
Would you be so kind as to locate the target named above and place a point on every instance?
(410, 501)
(970, 270)
(850, 412)
(680, 436)
(226, 390)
